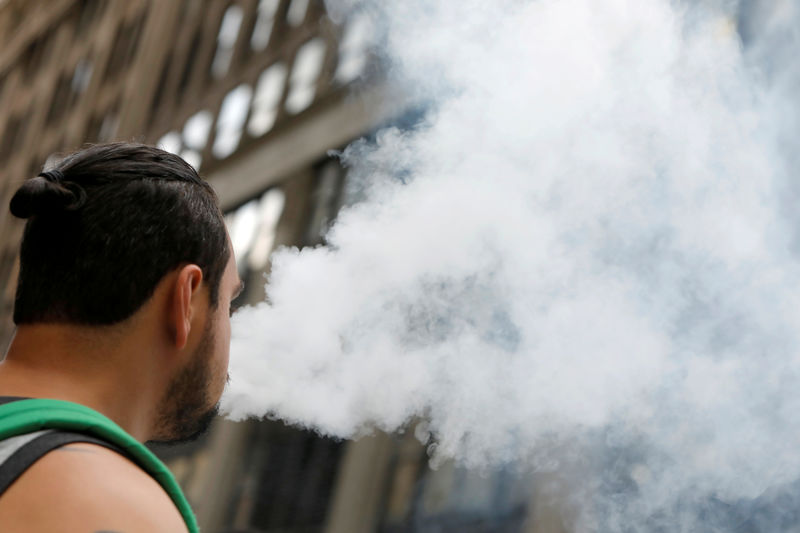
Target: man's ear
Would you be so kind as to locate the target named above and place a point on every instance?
(187, 285)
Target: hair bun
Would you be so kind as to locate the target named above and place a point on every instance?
(46, 193)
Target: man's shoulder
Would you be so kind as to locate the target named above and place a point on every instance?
(87, 487)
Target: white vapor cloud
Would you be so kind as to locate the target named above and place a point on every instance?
(587, 247)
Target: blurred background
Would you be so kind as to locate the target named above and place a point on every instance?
(255, 94)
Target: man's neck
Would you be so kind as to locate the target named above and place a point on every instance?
(76, 364)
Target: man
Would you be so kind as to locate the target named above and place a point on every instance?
(122, 306)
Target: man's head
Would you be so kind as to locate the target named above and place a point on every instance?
(108, 226)
(104, 226)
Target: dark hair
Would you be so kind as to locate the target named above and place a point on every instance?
(105, 225)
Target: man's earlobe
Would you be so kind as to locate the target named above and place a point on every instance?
(186, 286)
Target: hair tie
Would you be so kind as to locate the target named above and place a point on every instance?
(54, 176)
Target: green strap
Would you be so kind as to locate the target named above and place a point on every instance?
(25, 416)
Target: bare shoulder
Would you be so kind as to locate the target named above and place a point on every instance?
(87, 488)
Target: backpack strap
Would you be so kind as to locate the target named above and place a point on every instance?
(42, 443)
(26, 416)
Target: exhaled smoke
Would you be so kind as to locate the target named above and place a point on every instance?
(583, 258)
